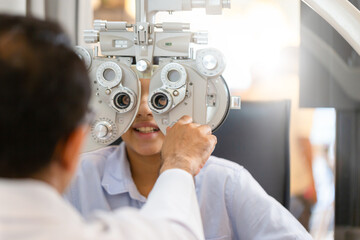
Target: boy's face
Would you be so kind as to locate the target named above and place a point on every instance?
(144, 136)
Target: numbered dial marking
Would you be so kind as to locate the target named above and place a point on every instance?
(103, 131)
(173, 75)
(210, 62)
(109, 74)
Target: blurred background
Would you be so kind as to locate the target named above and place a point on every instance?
(261, 42)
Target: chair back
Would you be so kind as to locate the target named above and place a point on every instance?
(257, 137)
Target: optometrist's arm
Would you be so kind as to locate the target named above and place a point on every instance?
(187, 146)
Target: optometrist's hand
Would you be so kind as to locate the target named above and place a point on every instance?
(187, 146)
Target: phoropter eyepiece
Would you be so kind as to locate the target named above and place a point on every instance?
(122, 100)
(159, 101)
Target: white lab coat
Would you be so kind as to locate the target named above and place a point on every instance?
(33, 210)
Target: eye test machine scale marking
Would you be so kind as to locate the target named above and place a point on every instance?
(180, 84)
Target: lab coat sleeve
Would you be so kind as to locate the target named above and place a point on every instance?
(265, 218)
(171, 212)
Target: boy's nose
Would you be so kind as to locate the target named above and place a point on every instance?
(144, 109)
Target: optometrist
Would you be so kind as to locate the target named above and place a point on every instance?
(44, 97)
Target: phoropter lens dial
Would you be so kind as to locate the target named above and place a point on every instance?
(123, 100)
(160, 101)
(173, 75)
(109, 74)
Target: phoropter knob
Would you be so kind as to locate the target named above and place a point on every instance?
(200, 38)
(100, 25)
(103, 130)
(91, 36)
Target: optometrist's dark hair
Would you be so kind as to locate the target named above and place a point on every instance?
(44, 93)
